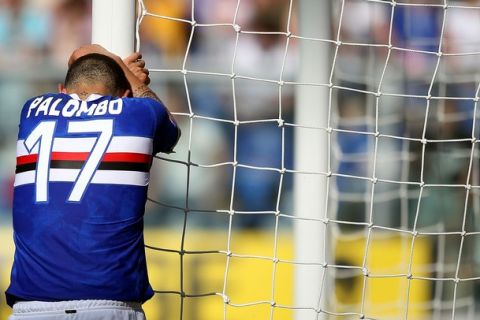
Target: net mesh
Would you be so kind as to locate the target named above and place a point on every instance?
(402, 170)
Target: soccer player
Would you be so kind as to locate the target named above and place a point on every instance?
(83, 160)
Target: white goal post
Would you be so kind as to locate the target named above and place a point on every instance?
(113, 25)
(311, 156)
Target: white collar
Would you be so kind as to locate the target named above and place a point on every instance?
(91, 97)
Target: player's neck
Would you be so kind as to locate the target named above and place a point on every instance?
(84, 91)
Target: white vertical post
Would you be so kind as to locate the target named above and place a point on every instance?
(113, 25)
(311, 109)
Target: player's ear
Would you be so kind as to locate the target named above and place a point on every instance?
(61, 88)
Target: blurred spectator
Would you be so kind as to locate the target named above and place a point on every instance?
(24, 35)
(366, 23)
(215, 44)
(462, 26)
(453, 118)
(260, 144)
(417, 28)
(165, 37)
(223, 11)
(72, 21)
(461, 43)
(24, 32)
(359, 68)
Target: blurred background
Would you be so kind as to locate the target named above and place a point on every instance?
(193, 190)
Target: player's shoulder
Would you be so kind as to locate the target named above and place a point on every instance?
(45, 96)
(142, 100)
(153, 105)
(42, 97)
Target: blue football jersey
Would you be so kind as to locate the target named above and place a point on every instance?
(79, 196)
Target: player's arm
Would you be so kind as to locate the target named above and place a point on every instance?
(137, 75)
(132, 66)
(136, 66)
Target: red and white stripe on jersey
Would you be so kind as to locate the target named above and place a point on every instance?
(126, 161)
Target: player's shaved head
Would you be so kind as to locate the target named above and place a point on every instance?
(93, 70)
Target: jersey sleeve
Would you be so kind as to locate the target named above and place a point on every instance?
(167, 131)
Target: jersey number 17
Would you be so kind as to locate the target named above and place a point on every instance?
(43, 136)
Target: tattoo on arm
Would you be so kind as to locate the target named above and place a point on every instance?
(144, 91)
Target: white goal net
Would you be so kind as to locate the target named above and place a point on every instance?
(367, 107)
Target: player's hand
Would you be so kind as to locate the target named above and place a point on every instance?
(90, 48)
(136, 65)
